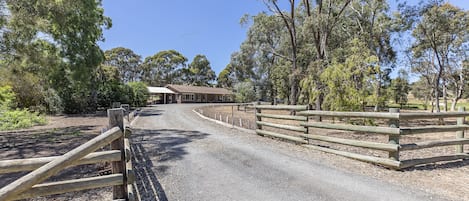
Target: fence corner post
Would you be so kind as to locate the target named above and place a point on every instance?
(460, 134)
(116, 119)
(394, 139)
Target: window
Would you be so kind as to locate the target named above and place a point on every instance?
(188, 97)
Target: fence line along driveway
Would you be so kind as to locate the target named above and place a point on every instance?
(180, 156)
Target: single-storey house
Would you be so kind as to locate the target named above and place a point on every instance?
(172, 93)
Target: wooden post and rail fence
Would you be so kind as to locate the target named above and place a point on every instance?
(393, 130)
(121, 179)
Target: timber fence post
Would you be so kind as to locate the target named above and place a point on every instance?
(394, 139)
(306, 120)
(116, 119)
(460, 134)
(232, 116)
(258, 118)
(129, 178)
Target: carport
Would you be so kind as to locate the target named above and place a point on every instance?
(161, 95)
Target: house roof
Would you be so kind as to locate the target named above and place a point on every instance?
(160, 90)
(198, 90)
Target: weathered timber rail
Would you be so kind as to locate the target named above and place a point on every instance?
(393, 146)
(122, 177)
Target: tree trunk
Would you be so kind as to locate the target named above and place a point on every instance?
(433, 105)
(293, 89)
(378, 92)
(437, 97)
(445, 97)
(425, 106)
(453, 103)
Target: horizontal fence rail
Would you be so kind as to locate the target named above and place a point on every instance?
(302, 135)
(122, 178)
(20, 165)
(26, 182)
(73, 185)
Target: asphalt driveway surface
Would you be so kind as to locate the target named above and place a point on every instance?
(180, 156)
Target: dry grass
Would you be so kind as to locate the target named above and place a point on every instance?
(448, 179)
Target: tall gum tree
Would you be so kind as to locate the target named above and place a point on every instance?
(289, 20)
(200, 72)
(163, 67)
(371, 21)
(441, 29)
(322, 19)
(126, 61)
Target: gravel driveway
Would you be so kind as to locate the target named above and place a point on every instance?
(180, 156)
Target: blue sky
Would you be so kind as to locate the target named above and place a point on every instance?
(208, 27)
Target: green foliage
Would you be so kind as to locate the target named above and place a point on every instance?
(244, 92)
(53, 102)
(224, 80)
(348, 81)
(53, 45)
(20, 118)
(126, 61)
(163, 68)
(114, 92)
(140, 94)
(200, 72)
(441, 36)
(400, 88)
(7, 97)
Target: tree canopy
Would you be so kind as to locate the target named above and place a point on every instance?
(306, 51)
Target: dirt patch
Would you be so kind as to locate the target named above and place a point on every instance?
(60, 135)
(448, 179)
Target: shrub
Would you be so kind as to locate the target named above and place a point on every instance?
(139, 94)
(7, 97)
(245, 92)
(53, 102)
(20, 118)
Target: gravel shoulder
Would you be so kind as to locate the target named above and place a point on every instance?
(184, 157)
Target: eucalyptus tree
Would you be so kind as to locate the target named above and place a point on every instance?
(163, 68)
(347, 81)
(200, 72)
(266, 36)
(322, 20)
(55, 43)
(457, 75)
(400, 88)
(224, 78)
(290, 23)
(371, 21)
(440, 30)
(422, 90)
(242, 63)
(126, 61)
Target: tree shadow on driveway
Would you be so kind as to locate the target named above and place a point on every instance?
(148, 113)
(149, 146)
